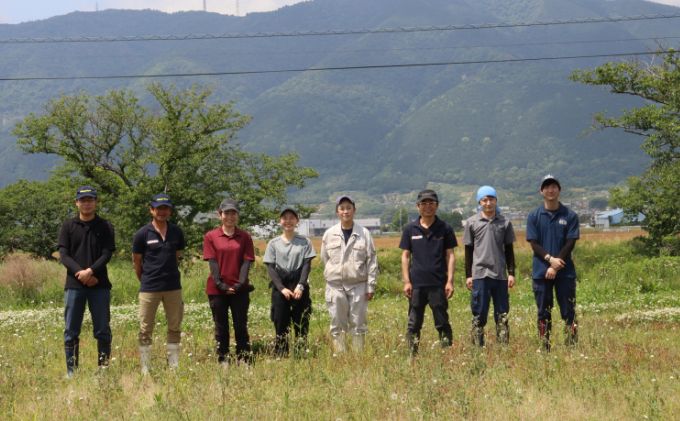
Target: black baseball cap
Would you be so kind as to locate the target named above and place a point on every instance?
(427, 195)
(550, 179)
(161, 199)
(229, 204)
(289, 209)
(86, 191)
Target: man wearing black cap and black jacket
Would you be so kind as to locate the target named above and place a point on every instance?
(86, 244)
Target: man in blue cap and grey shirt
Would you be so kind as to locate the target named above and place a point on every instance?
(552, 231)
(488, 239)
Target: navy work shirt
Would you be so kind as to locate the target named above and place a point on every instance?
(160, 271)
(552, 229)
(428, 251)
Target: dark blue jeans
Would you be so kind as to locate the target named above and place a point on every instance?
(483, 292)
(565, 291)
(98, 301)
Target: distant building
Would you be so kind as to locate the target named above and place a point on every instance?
(613, 217)
(315, 227)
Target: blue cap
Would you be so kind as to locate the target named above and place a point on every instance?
(86, 191)
(161, 199)
(485, 191)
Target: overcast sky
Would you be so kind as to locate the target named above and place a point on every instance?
(15, 11)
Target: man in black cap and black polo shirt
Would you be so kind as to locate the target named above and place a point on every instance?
(427, 266)
(156, 250)
(86, 244)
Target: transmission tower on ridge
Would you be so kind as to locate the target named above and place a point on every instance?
(238, 13)
(205, 8)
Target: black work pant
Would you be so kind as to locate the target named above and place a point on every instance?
(436, 298)
(220, 306)
(283, 312)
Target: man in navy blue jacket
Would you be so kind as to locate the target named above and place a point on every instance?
(552, 231)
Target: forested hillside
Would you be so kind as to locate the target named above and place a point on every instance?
(374, 130)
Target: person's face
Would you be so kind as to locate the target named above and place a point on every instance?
(229, 218)
(550, 192)
(86, 205)
(161, 213)
(345, 211)
(488, 204)
(288, 221)
(428, 208)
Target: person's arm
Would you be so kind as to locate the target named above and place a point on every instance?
(372, 265)
(510, 264)
(405, 261)
(567, 249)
(66, 260)
(107, 247)
(242, 275)
(215, 273)
(304, 277)
(274, 276)
(556, 263)
(137, 264)
(450, 270)
(469, 253)
(304, 273)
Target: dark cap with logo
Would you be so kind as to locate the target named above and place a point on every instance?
(161, 199)
(427, 195)
(289, 209)
(86, 191)
(550, 179)
(229, 204)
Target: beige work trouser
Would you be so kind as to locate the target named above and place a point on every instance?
(174, 311)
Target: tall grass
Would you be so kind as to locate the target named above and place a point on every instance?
(625, 366)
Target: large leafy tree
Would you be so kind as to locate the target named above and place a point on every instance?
(184, 146)
(654, 193)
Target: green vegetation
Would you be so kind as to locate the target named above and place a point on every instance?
(625, 366)
(129, 153)
(380, 130)
(654, 193)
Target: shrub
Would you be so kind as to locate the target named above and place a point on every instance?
(29, 277)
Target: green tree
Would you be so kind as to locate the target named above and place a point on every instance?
(455, 219)
(31, 213)
(654, 193)
(185, 147)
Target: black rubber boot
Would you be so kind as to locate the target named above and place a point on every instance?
(477, 333)
(413, 340)
(571, 334)
(103, 354)
(544, 327)
(72, 353)
(503, 330)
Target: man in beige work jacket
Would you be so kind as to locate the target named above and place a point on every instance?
(351, 269)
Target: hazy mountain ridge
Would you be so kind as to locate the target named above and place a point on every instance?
(372, 130)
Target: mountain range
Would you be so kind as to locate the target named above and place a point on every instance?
(505, 119)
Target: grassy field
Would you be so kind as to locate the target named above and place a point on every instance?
(625, 366)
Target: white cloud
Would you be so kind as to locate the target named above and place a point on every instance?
(219, 6)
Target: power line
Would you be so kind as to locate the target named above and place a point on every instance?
(193, 37)
(332, 68)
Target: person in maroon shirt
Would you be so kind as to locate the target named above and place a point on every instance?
(229, 251)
